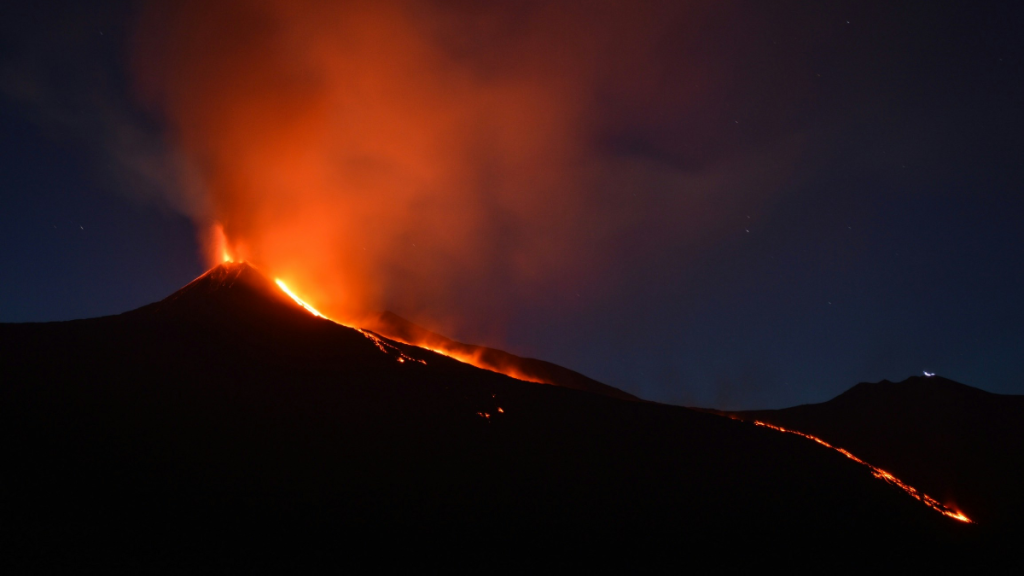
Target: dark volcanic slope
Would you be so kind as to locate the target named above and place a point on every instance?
(227, 425)
(959, 444)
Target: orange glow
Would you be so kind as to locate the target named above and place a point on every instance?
(312, 310)
(879, 473)
(220, 245)
(399, 330)
(364, 152)
(388, 348)
(381, 344)
(475, 359)
(355, 155)
(447, 163)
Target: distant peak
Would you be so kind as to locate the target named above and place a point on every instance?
(914, 385)
(930, 378)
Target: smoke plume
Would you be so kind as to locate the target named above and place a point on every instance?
(431, 157)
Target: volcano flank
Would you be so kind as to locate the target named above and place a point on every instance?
(226, 425)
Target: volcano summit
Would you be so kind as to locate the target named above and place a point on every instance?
(226, 425)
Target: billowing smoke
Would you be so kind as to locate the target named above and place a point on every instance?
(427, 157)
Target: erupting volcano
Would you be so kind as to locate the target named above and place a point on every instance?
(226, 275)
(233, 407)
(319, 255)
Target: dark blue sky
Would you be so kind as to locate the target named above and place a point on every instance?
(892, 243)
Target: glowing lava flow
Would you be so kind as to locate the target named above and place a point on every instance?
(472, 360)
(879, 473)
(312, 310)
(381, 344)
(386, 347)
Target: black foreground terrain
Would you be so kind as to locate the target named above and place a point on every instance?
(226, 427)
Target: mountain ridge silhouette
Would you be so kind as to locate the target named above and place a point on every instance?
(227, 426)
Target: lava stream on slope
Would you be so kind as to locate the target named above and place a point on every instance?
(879, 473)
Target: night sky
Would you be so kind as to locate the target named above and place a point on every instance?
(814, 194)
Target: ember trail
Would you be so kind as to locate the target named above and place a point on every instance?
(879, 473)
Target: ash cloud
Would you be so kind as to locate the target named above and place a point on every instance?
(448, 160)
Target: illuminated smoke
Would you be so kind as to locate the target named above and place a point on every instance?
(424, 157)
